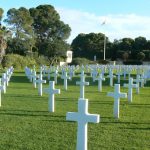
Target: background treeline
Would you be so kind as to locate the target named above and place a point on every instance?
(35, 32)
(89, 45)
(39, 35)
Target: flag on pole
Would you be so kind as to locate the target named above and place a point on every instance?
(104, 22)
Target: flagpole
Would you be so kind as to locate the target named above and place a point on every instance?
(104, 45)
(104, 41)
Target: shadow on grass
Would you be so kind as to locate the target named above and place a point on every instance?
(26, 113)
(102, 102)
(67, 99)
(137, 128)
(19, 79)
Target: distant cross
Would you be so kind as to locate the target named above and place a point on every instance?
(142, 80)
(130, 85)
(51, 91)
(4, 80)
(40, 81)
(100, 79)
(8, 78)
(82, 117)
(111, 76)
(94, 74)
(82, 83)
(119, 73)
(117, 95)
(49, 73)
(1, 89)
(31, 75)
(65, 77)
(34, 78)
(55, 75)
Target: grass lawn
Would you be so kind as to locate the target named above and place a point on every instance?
(26, 124)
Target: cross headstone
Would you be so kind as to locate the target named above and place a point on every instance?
(82, 83)
(65, 77)
(130, 85)
(111, 76)
(51, 91)
(100, 79)
(34, 78)
(40, 81)
(4, 80)
(119, 73)
(1, 89)
(117, 95)
(55, 75)
(82, 117)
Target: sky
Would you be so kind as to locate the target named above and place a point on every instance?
(123, 18)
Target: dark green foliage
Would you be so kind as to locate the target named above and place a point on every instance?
(103, 62)
(140, 56)
(51, 32)
(133, 62)
(20, 62)
(89, 45)
(80, 61)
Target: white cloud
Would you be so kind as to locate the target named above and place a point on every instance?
(116, 27)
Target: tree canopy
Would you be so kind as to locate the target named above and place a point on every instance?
(37, 29)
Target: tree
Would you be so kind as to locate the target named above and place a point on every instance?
(140, 56)
(4, 35)
(20, 21)
(49, 29)
(89, 45)
(140, 43)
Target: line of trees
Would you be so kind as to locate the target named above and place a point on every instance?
(89, 45)
(36, 31)
(40, 31)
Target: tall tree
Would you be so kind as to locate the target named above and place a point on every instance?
(20, 21)
(4, 34)
(89, 45)
(49, 29)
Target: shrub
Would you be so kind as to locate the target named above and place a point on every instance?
(140, 56)
(132, 62)
(80, 61)
(103, 62)
(17, 61)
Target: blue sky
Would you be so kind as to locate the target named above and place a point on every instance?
(124, 18)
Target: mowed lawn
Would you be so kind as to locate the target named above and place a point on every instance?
(26, 124)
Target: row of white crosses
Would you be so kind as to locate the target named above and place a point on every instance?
(51, 90)
(82, 117)
(4, 81)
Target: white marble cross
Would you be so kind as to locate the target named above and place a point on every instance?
(1, 89)
(130, 85)
(4, 80)
(111, 76)
(100, 79)
(119, 73)
(137, 80)
(117, 95)
(51, 91)
(82, 83)
(8, 78)
(82, 117)
(94, 74)
(34, 78)
(40, 81)
(49, 73)
(55, 75)
(65, 77)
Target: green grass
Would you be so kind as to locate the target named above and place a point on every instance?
(26, 124)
